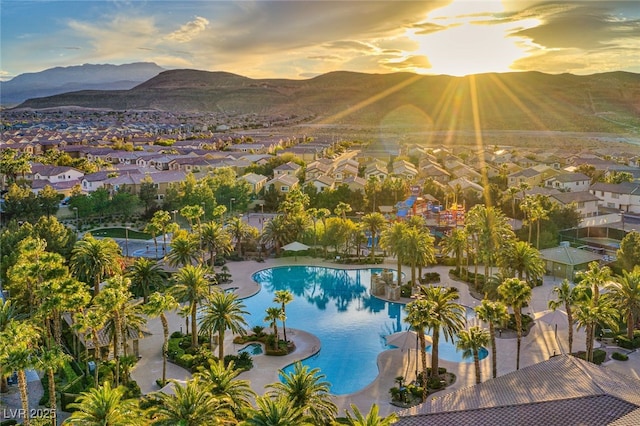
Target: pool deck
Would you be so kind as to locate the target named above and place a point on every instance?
(537, 346)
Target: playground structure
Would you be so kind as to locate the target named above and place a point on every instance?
(450, 216)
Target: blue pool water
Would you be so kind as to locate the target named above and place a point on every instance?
(335, 306)
(252, 349)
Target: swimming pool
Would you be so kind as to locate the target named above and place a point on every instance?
(252, 349)
(335, 306)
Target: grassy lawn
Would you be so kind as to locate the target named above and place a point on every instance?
(119, 233)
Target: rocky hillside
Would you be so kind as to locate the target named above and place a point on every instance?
(607, 102)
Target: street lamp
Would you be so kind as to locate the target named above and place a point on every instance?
(622, 219)
(231, 205)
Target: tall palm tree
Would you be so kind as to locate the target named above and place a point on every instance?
(51, 360)
(444, 314)
(392, 240)
(92, 260)
(567, 297)
(306, 389)
(161, 222)
(8, 313)
(417, 317)
(276, 412)
(455, 243)
(191, 287)
(493, 313)
(419, 246)
(516, 293)
(223, 311)
(158, 305)
(374, 223)
(239, 231)
(216, 240)
(625, 293)
(105, 405)
(184, 249)
(590, 313)
(110, 302)
(470, 342)
(274, 313)
(192, 213)
(16, 354)
(371, 419)
(91, 322)
(512, 191)
(342, 209)
(223, 382)
(284, 297)
(522, 261)
(145, 275)
(277, 233)
(154, 229)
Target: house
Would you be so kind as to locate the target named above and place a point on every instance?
(563, 390)
(256, 181)
(533, 176)
(131, 182)
(93, 181)
(55, 174)
(404, 169)
(466, 172)
(621, 196)
(355, 183)
(576, 182)
(290, 169)
(376, 169)
(322, 183)
(436, 173)
(466, 186)
(318, 168)
(586, 203)
(283, 183)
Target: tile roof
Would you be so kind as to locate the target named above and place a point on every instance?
(561, 391)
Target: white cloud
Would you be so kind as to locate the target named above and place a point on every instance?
(190, 30)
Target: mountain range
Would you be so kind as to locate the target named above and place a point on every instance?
(607, 102)
(58, 80)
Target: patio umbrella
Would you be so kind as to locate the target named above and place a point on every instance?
(296, 247)
(555, 318)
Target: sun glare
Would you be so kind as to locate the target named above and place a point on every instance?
(469, 44)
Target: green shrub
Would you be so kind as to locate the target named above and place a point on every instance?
(624, 342)
(66, 399)
(185, 361)
(619, 357)
(176, 335)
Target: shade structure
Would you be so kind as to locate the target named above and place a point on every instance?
(405, 339)
(555, 318)
(295, 246)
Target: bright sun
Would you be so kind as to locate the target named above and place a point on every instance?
(469, 45)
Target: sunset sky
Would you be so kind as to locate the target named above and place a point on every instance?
(302, 39)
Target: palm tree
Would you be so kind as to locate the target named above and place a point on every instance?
(307, 390)
(274, 313)
(392, 239)
(51, 360)
(222, 382)
(161, 222)
(455, 243)
(145, 275)
(277, 233)
(154, 229)
(420, 250)
(8, 313)
(276, 412)
(342, 209)
(522, 261)
(110, 302)
(19, 344)
(418, 313)
(592, 312)
(92, 260)
(105, 405)
(625, 293)
(512, 191)
(444, 314)
(192, 405)
(91, 322)
(470, 342)
(223, 311)
(283, 297)
(216, 239)
(192, 213)
(184, 249)
(157, 306)
(191, 287)
(371, 419)
(516, 293)
(374, 223)
(239, 230)
(493, 313)
(567, 297)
